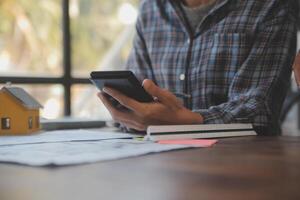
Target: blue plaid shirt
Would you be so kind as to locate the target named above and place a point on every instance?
(235, 67)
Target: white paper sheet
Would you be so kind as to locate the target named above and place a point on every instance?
(70, 153)
(62, 136)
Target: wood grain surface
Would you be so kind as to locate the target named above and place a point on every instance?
(236, 168)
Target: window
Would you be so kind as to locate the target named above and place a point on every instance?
(40, 56)
(37, 122)
(30, 123)
(5, 123)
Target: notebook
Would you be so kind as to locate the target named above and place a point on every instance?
(170, 132)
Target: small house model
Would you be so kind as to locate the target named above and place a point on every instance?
(19, 112)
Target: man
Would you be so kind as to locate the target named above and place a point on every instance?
(228, 61)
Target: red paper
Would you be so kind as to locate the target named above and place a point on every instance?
(195, 143)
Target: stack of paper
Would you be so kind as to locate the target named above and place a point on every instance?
(77, 147)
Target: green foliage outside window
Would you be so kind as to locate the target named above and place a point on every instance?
(31, 45)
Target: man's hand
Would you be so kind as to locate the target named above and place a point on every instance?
(166, 109)
(296, 68)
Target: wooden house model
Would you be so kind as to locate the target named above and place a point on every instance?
(19, 112)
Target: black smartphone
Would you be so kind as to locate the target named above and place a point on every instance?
(123, 81)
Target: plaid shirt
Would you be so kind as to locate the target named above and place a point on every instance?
(236, 66)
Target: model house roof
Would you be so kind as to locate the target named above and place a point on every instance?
(23, 97)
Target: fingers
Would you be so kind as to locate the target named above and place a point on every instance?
(164, 96)
(123, 100)
(128, 123)
(296, 68)
(126, 118)
(135, 126)
(111, 108)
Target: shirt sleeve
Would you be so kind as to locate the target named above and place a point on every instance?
(259, 87)
(139, 61)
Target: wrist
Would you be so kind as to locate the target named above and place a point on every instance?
(197, 118)
(189, 117)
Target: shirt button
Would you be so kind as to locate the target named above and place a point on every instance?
(182, 77)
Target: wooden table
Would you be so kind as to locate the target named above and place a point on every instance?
(236, 168)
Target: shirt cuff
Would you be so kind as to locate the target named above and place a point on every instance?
(217, 117)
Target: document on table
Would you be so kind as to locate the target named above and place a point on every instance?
(70, 153)
(62, 136)
(69, 147)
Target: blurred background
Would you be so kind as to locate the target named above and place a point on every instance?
(49, 47)
(34, 44)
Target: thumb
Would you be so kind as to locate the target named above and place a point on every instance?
(162, 95)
